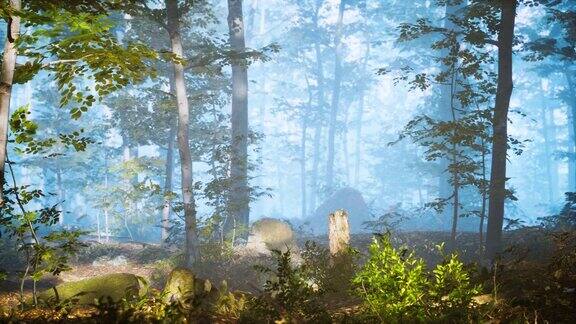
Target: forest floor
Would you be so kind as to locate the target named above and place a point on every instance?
(154, 263)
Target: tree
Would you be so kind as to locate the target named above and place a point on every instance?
(498, 192)
(6, 82)
(239, 209)
(173, 16)
(332, 124)
(81, 46)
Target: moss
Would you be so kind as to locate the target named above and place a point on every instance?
(114, 286)
(180, 285)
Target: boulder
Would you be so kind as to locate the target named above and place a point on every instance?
(347, 199)
(182, 286)
(114, 286)
(271, 234)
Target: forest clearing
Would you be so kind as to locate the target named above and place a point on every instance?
(288, 161)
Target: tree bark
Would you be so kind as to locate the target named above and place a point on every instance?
(168, 185)
(335, 97)
(6, 82)
(191, 244)
(239, 203)
(338, 232)
(500, 130)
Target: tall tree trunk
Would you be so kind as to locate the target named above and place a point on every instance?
(335, 97)
(303, 166)
(191, 245)
(548, 152)
(555, 188)
(454, 161)
(445, 189)
(239, 204)
(571, 132)
(345, 144)
(304, 130)
(500, 130)
(6, 81)
(168, 185)
(484, 195)
(359, 114)
(318, 117)
(106, 215)
(314, 187)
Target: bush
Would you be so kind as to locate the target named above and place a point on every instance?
(288, 296)
(396, 287)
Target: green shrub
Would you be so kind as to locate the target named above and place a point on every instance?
(288, 296)
(396, 287)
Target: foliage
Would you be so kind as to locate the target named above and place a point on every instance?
(287, 296)
(396, 287)
(47, 253)
(77, 43)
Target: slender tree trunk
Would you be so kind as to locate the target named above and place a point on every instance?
(191, 245)
(445, 189)
(500, 130)
(555, 190)
(572, 132)
(315, 166)
(239, 204)
(359, 114)
(454, 161)
(106, 216)
(6, 80)
(98, 232)
(315, 186)
(304, 130)
(548, 153)
(168, 185)
(61, 195)
(303, 166)
(345, 144)
(335, 97)
(484, 194)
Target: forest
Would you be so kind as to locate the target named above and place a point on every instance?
(288, 161)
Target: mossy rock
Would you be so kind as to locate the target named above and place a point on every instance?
(183, 286)
(275, 234)
(113, 286)
(180, 285)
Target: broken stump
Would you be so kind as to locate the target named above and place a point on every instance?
(338, 232)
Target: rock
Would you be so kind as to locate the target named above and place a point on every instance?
(271, 234)
(182, 286)
(179, 286)
(119, 260)
(483, 299)
(114, 286)
(347, 199)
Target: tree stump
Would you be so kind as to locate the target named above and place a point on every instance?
(338, 232)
